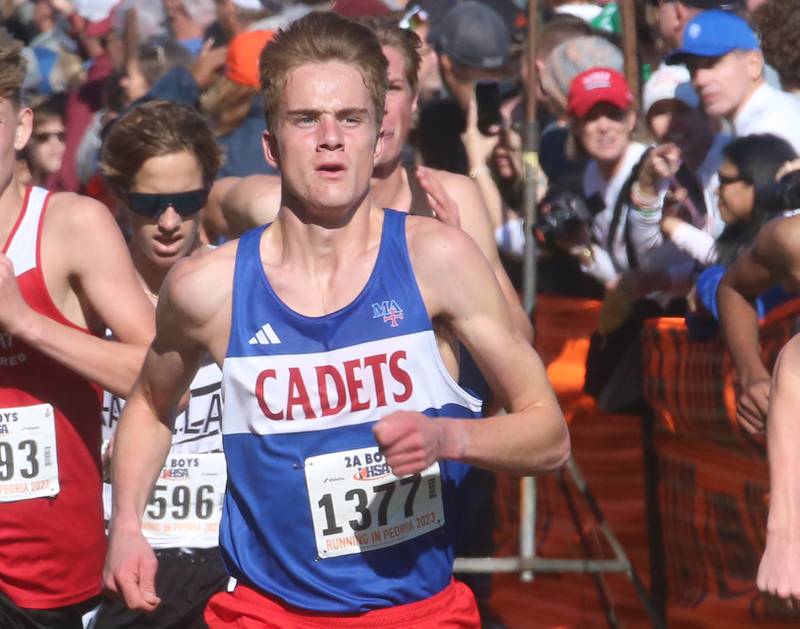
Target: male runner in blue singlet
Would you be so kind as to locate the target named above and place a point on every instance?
(344, 433)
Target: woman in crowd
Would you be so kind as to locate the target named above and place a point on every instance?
(749, 163)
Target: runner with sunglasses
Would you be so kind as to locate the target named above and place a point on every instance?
(160, 159)
(64, 276)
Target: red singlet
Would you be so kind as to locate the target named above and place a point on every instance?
(51, 548)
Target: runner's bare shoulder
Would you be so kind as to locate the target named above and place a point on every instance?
(68, 212)
(198, 287)
(80, 230)
(440, 254)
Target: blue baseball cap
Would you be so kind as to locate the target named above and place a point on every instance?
(713, 34)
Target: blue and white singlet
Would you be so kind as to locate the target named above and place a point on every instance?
(313, 514)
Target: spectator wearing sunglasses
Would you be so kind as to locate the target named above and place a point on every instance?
(45, 151)
(161, 158)
(747, 164)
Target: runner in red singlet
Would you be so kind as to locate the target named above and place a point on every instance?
(64, 274)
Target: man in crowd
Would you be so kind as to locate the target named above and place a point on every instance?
(64, 274)
(723, 56)
(674, 15)
(338, 405)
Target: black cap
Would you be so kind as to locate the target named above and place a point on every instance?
(474, 35)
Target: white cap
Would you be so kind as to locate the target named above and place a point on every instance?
(250, 5)
(94, 10)
(667, 83)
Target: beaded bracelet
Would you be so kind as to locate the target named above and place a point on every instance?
(643, 202)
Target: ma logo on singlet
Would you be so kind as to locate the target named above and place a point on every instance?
(389, 311)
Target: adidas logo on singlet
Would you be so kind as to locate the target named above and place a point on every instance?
(265, 336)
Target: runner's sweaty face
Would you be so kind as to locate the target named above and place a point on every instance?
(162, 241)
(325, 139)
(400, 105)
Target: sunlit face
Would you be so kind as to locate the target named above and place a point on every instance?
(659, 118)
(400, 104)
(723, 83)
(736, 196)
(134, 82)
(15, 129)
(325, 140)
(605, 131)
(43, 15)
(164, 240)
(509, 146)
(47, 146)
(674, 121)
(669, 23)
(429, 81)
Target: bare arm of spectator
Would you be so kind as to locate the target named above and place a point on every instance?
(647, 199)
(478, 148)
(690, 239)
(779, 572)
(772, 259)
(207, 63)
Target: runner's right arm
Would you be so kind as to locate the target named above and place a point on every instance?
(85, 261)
(144, 434)
(533, 436)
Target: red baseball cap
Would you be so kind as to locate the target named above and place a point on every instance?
(598, 85)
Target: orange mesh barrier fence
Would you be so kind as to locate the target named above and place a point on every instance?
(608, 449)
(713, 476)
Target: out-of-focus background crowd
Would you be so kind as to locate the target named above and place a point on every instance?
(653, 192)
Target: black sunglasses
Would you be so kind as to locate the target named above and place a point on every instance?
(153, 205)
(726, 181)
(45, 136)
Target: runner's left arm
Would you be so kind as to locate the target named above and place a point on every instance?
(533, 436)
(144, 433)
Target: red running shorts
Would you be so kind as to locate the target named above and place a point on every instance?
(245, 608)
